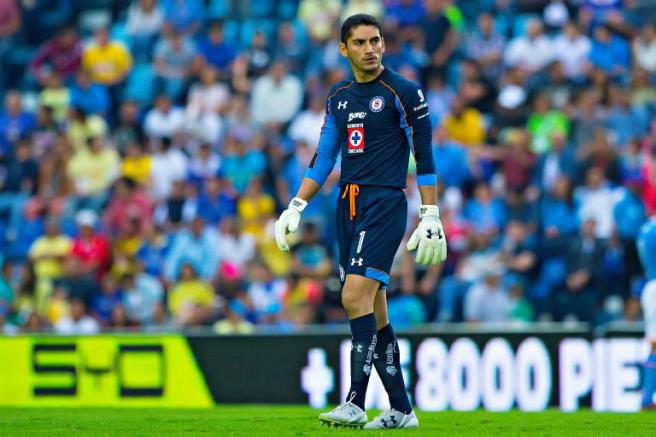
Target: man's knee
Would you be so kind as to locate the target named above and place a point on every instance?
(358, 295)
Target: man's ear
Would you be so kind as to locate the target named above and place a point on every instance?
(342, 50)
(382, 43)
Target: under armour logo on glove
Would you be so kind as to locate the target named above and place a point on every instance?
(429, 250)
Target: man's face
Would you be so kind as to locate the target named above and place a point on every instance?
(364, 48)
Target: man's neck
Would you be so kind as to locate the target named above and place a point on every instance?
(366, 76)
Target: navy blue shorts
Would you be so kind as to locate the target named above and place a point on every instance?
(369, 239)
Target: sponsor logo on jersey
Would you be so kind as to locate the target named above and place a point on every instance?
(342, 104)
(420, 107)
(376, 104)
(420, 93)
(355, 138)
(356, 115)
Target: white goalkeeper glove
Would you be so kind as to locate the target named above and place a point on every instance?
(287, 223)
(429, 238)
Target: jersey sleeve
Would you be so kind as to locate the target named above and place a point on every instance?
(415, 121)
(325, 156)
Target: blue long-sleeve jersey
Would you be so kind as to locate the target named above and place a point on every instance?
(647, 247)
(374, 125)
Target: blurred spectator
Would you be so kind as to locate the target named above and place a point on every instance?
(584, 262)
(255, 208)
(439, 37)
(370, 7)
(142, 292)
(174, 55)
(90, 253)
(292, 47)
(451, 160)
(556, 162)
(144, 22)
(216, 200)
(543, 123)
(104, 303)
(92, 98)
(61, 55)
(310, 258)
(92, 170)
(266, 293)
(475, 89)
(191, 298)
(48, 255)
(79, 321)
(625, 122)
(129, 130)
(204, 164)
(439, 98)
(233, 323)
(572, 48)
(15, 122)
(258, 55)
(168, 165)
(127, 203)
(595, 201)
(177, 209)
(216, 51)
(531, 52)
(208, 95)
(19, 184)
(464, 124)
(319, 17)
(610, 53)
(136, 164)
(238, 248)
(185, 16)
(54, 95)
(108, 62)
(82, 127)
(152, 253)
(198, 247)
(487, 301)
(644, 48)
(486, 46)
(164, 119)
(485, 213)
(307, 124)
(45, 17)
(10, 23)
(242, 163)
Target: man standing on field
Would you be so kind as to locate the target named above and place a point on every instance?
(374, 120)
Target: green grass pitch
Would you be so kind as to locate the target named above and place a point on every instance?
(280, 421)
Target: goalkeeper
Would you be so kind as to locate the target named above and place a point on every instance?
(373, 120)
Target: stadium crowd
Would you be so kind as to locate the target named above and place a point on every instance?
(146, 148)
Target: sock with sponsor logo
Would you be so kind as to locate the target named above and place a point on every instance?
(363, 343)
(649, 380)
(388, 365)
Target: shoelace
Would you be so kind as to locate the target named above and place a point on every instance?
(349, 407)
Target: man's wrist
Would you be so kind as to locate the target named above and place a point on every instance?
(429, 211)
(298, 204)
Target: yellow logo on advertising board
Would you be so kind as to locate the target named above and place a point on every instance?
(104, 370)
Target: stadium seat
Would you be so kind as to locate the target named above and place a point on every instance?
(521, 22)
(262, 8)
(218, 9)
(140, 86)
(231, 31)
(249, 27)
(287, 9)
(119, 33)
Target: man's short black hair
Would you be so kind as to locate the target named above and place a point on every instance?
(358, 20)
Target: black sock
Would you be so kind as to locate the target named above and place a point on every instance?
(388, 365)
(363, 343)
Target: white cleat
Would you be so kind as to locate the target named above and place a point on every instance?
(346, 415)
(389, 419)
